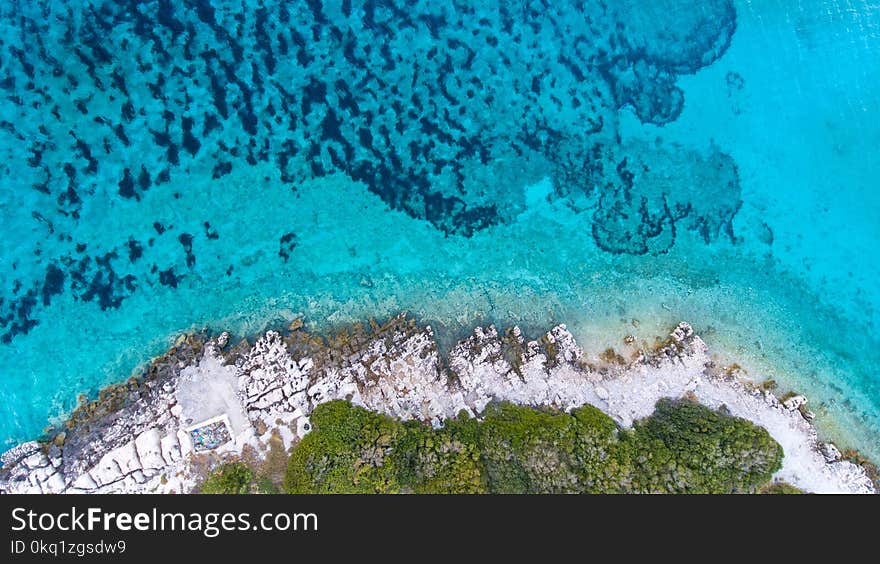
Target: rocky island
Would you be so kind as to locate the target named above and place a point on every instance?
(213, 405)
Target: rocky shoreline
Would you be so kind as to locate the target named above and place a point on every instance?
(208, 400)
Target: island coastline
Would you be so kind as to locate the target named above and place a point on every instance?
(140, 436)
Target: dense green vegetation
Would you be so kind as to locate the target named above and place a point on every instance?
(228, 478)
(681, 447)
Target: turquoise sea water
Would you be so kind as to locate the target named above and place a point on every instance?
(175, 165)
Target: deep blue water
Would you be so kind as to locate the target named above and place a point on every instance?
(171, 165)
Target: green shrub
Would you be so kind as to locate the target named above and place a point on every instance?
(681, 447)
(228, 478)
(686, 447)
(263, 485)
(529, 450)
(346, 452)
(603, 461)
(443, 463)
(781, 488)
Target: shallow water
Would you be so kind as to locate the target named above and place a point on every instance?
(170, 166)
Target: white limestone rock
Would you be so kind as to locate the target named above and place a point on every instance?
(149, 450)
(830, 452)
(170, 448)
(794, 403)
